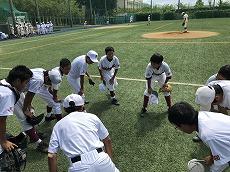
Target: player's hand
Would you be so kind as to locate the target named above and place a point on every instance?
(56, 100)
(208, 160)
(81, 92)
(111, 81)
(29, 113)
(150, 90)
(91, 82)
(8, 146)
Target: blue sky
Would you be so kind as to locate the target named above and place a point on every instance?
(163, 2)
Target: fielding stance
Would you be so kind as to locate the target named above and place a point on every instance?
(10, 89)
(23, 108)
(157, 70)
(53, 107)
(212, 128)
(108, 68)
(78, 70)
(83, 138)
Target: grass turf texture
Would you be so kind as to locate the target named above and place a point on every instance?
(140, 144)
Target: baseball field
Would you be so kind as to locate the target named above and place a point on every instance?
(149, 144)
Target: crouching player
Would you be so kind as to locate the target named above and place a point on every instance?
(157, 70)
(108, 68)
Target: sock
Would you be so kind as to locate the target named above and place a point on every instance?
(32, 135)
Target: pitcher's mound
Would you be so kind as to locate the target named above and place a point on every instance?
(179, 35)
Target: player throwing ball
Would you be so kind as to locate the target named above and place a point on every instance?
(157, 70)
(108, 67)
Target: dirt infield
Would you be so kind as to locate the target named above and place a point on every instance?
(113, 27)
(180, 35)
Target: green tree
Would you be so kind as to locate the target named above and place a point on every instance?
(199, 4)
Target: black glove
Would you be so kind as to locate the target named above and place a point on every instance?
(91, 82)
(15, 160)
(183, 24)
(35, 120)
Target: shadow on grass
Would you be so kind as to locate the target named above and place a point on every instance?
(99, 107)
(149, 122)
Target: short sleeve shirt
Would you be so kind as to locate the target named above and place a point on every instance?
(214, 132)
(185, 17)
(7, 100)
(56, 86)
(212, 78)
(108, 66)
(37, 81)
(77, 133)
(164, 68)
(78, 67)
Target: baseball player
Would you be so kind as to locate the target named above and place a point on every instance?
(149, 20)
(23, 108)
(157, 70)
(83, 139)
(212, 128)
(216, 93)
(131, 19)
(108, 68)
(10, 89)
(54, 107)
(185, 21)
(78, 70)
(223, 74)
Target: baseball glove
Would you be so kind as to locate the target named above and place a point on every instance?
(183, 23)
(91, 82)
(14, 160)
(166, 88)
(35, 120)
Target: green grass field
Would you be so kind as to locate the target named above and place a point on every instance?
(149, 144)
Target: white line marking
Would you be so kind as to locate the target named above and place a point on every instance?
(133, 79)
(143, 80)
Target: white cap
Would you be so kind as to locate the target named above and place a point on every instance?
(153, 98)
(102, 87)
(55, 77)
(182, 13)
(195, 166)
(204, 97)
(93, 56)
(77, 99)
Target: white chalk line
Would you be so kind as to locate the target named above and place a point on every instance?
(133, 79)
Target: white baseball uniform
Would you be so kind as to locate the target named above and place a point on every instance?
(213, 129)
(36, 85)
(185, 17)
(78, 67)
(212, 78)
(7, 101)
(158, 75)
(108, 68)
(225, 85)
(80, 134)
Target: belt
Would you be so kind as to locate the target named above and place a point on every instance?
(78, 158)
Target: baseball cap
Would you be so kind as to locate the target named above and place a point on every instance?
(55, 77)
(93, 56)
(77, 99)
(153, 98)
(182, 13)
(204, 97)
